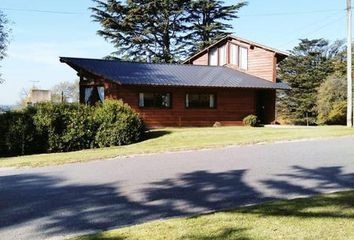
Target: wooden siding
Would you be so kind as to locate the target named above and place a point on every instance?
(261, 62)
(232, 105)
(202, 60)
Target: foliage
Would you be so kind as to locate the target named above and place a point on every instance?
(305, 70)
(50, 127)
(70, 92)
(331, 101)
(4, 37)
(117, 124)
(160, 30)
(251, 121)
(210, 21)
(18, 133)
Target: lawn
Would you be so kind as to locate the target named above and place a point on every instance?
(322, 217)
(176, 139)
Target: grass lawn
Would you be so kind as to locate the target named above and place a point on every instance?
(321, 217)
(174, 139)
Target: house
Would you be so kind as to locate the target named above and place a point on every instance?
(223, 83)
(37, 96)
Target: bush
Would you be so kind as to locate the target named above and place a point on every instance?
(18, 133)
(49, 127)
(118, 124)
(251, 121)
(67, 127)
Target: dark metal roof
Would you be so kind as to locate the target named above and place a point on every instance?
(129, 73)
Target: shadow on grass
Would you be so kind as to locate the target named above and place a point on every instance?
(64, 208)
(152, 134)
(227, 233)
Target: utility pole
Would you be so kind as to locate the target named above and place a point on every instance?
(349, 66)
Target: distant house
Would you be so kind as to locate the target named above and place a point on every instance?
(222, 83)
(37, 96)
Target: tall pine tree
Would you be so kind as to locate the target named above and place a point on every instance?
(162, 30)
(308, 66)
(210, 21)
(143, 29)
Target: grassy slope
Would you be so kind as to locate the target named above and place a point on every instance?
(173, 139)
(321, 217)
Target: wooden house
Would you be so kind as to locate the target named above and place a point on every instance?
(223, 83)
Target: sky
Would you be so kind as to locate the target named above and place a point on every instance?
(39, 35)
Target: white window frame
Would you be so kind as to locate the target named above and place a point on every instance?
(243, 58)
(222, 55)
(213, 57)
(234, 54)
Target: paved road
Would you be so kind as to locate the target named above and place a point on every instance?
(57, 202)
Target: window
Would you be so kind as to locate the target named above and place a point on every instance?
(243, 58)
(222, 55)
(196, 100)
(213, 57)
(234, 54)
(160, 100)
(93, 94)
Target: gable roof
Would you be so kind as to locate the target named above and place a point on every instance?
(130, 73)
(280, 54)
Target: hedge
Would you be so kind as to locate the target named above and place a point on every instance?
(50, 127)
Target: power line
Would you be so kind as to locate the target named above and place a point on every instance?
(241, 15)
(315, 30)
(42, 11)
(289, 13)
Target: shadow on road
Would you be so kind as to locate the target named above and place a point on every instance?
(70, 208)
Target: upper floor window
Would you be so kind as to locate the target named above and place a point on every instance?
(222, 55)
(213, 57)
(239, 56)
(200, 100)
(160, 100)
(243, 58)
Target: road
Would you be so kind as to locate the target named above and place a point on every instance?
(63, 201)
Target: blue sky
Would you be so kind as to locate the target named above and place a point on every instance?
(38, 38)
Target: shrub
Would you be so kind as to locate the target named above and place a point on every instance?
(18, 133)
(250, 120)
(118, 124)
(49, 127)
(67, 127)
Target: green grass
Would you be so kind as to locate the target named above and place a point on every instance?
(175, 139)
(322, 217)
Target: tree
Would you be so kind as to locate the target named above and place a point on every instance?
(331, 100)
(142, 30)
(4, 34)
(305, 70)
(209, 20)
(162, 30)
(66, 92)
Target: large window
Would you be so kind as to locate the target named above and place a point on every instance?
(203, 100)
(243, 58)
(213, 57)
(233, 54)
(159, 100)
(222, 55)
(93, 94)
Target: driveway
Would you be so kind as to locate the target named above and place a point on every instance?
(62, 201)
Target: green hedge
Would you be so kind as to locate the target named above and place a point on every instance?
(50, 127)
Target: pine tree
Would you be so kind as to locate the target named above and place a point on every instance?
(162, 30)
(305, 70)
(209, 21)
(142, 29)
